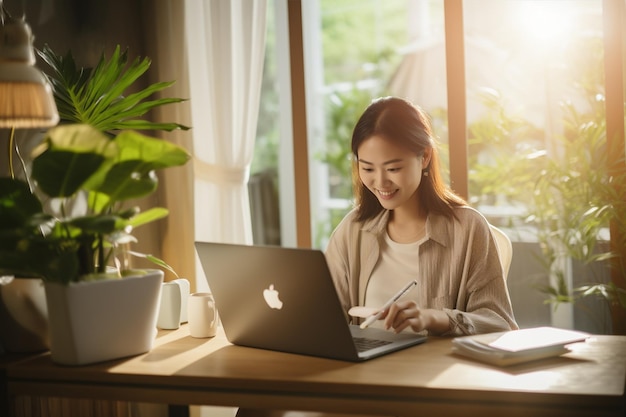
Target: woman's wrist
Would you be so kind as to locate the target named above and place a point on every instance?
(438, 321)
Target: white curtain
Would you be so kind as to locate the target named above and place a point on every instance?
(225, 48)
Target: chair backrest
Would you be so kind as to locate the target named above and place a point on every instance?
(505, 249)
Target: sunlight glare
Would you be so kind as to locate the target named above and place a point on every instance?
(545, 22)
(463, 375)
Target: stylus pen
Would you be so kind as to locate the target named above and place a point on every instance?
(371, 319)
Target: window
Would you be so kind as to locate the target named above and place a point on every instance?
(359, 51)
(534, 80)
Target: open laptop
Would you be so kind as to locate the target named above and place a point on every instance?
(284, 299)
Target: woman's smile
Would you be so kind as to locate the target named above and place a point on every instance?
(386, 194)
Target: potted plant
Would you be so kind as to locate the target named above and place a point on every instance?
(578, 194)
(570, 196)
(71, 222)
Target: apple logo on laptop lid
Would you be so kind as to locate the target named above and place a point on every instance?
(272, 298)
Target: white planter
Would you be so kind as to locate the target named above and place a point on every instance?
(23, 316)
(101, 320)
(563, 316)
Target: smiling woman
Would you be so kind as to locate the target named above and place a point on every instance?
(453, 260)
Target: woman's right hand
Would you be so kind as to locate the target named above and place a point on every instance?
(404, 314)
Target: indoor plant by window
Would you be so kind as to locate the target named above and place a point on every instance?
(570, 197)
(71, 223)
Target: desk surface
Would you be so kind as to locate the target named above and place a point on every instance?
(426, 378)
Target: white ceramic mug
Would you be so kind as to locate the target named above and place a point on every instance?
(173, 307)
(202, 315)
(170, 306)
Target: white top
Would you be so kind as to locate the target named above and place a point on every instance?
(396, 267)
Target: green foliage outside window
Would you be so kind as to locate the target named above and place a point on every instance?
(567, 186)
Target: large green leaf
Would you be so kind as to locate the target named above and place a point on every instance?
(150, 215)
(127, 180)
(132, 174)
(68, 157)
(100, 224)
(62, 173)
(154, 153)
(17, 204)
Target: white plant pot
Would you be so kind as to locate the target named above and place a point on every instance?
(562, 316)
(101, 320)
(23, 316)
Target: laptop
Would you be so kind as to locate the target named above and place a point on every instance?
(284, 299)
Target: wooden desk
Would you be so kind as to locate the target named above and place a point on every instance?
(423, 380)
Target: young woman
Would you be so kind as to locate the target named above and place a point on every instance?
(407, 225)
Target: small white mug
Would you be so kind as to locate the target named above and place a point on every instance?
(173, 305)
(170, 306)
(202, 315)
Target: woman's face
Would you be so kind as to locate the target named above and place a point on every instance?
(391, 171)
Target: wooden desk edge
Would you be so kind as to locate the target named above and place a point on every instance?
(429, 401)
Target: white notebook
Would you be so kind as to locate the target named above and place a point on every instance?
(517, 346)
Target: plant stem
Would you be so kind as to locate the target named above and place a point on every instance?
(10, 152)
(13, 146)
(101, 260)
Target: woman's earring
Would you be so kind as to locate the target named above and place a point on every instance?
(425, 173)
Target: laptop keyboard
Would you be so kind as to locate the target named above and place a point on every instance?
(362, 343)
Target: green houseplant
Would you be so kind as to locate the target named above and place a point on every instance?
(578, 193)
(71, 221)
(570, 195)
(76, 164)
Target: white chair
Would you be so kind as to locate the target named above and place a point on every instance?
(505, 249)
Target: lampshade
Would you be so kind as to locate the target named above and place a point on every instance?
(26, 99)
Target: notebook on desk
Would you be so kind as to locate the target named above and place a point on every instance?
(284, 299)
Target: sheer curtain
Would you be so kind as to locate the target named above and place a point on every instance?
(225, 46)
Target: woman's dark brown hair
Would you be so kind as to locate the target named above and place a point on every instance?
(398, 120)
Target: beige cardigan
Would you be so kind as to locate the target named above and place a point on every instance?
(459, 264)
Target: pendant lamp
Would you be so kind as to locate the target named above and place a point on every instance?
(26, 99)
